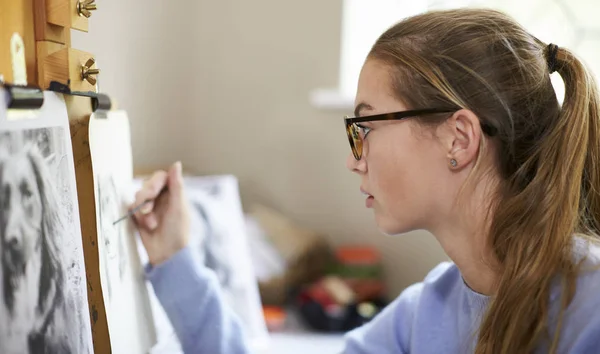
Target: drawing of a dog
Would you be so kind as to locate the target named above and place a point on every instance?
(37, 315)
(112, 237)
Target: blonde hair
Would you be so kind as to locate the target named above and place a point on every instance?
(484, 61)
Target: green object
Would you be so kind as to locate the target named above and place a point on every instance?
(367, 310)
(357, 271)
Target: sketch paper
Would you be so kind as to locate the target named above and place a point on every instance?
(43, 295)
(218, 235)
(126, 299)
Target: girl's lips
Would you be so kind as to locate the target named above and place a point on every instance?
(369, 201)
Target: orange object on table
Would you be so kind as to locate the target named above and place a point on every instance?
(357, 255)
(275, 317)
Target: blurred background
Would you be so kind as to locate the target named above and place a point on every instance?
(257, 90)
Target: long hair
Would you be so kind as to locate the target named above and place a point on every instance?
(482, 60)
(52, 276)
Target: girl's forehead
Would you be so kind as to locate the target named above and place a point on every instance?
(375, 89)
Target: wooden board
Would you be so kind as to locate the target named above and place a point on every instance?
(58, 12)
(80, 23)
(17, 16)
(52, 63)
(64, 13)
(79, 110)
(61, 64)
(46, 31)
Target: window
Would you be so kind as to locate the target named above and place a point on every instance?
(569, 23)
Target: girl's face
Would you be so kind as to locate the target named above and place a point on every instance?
(405, 168)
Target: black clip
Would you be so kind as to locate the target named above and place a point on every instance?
(101, 102)
(24, 97)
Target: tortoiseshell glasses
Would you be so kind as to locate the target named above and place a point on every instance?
(353, 128)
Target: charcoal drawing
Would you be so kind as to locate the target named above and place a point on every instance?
(43, 301)
(114, 255)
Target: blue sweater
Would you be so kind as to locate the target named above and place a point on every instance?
(439, 315)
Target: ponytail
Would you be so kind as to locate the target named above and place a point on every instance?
(582, 105)
(561, 198)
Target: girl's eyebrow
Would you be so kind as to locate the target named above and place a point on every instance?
(361, 107)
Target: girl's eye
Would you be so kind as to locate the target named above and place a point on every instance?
(364, 130)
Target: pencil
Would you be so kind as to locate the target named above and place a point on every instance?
(137, 208)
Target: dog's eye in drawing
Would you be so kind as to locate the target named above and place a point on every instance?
(5, 200)
(25, 191)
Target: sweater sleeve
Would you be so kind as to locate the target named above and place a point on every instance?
(192, 299)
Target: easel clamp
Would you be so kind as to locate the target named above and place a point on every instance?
(101, 102)
(24, 97)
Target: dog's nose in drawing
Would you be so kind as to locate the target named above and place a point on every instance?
(12, 243)
(13, 253)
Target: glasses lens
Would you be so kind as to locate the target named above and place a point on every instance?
(355, 140)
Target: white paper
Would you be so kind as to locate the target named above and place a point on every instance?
(222, 245)
(126, 300)
(43, 294)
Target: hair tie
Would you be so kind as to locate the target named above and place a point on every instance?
(551, 57)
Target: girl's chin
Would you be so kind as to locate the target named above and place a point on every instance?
(392, 227)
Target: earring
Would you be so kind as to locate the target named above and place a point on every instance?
(453, 163)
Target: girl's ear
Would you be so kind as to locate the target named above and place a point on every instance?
(462, 138)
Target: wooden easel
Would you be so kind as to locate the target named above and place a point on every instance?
(43, 29)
